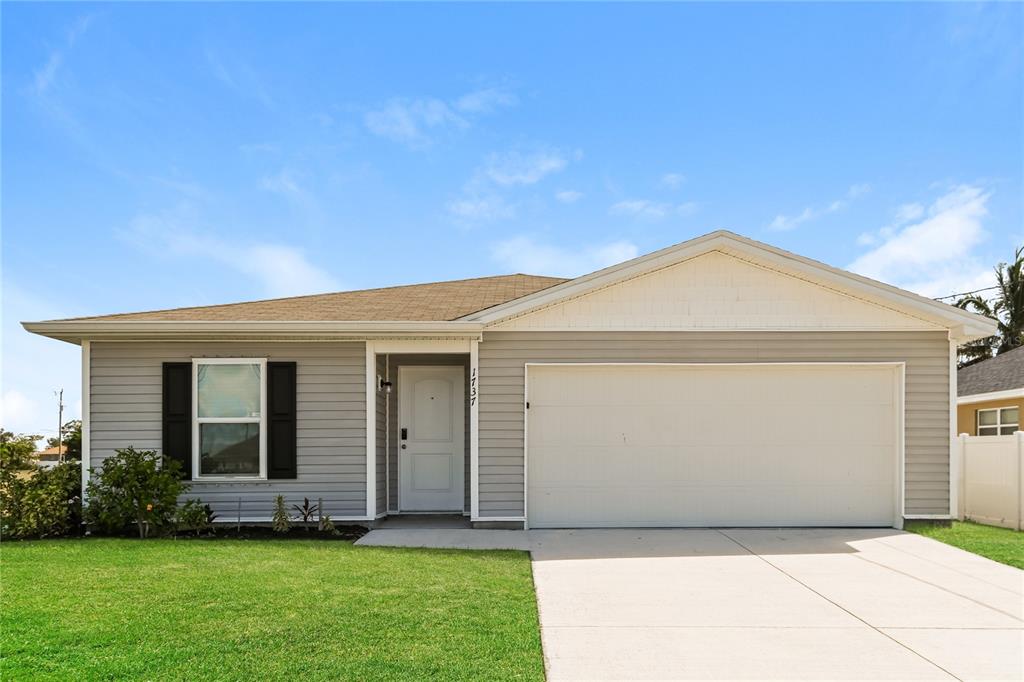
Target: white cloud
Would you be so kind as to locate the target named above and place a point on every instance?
(33, 367)
(790, 222)
(285, 182)
(908, 212)
(411, 121)
(652, 210)
(568, 196)
(477, 208)
(46, 74)
(17, 408)
(482, 198)
(415, 121)
(238, 76)
(485, 101)
(523, 168)
(281, 270)
(672, 180)
(933, 257)
(525, 254)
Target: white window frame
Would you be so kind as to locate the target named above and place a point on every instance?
(999, 425)
(197, 420)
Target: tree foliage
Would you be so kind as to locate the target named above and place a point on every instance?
(71, 437)
(1006, 307)
(35, 502)
(16, 451)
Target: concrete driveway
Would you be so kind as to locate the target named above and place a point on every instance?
(773, 604)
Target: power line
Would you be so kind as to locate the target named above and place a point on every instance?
(966, 293)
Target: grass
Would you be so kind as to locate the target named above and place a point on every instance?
(999, 544)
(266, 609)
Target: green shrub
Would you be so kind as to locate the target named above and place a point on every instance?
(194, 516)
(41, 503)
(136, 487)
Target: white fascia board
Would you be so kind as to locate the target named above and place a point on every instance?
(994, 395)
(968, 325)
(74, 331)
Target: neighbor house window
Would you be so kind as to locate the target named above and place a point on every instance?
(229, 433)
(999, 422)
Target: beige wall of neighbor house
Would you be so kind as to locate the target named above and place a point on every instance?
(967, 414)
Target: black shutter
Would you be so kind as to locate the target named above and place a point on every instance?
(281, 420)
(177, 441)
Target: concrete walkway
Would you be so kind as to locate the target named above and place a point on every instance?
(825, 604)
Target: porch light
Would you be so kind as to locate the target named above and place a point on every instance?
(383, 385)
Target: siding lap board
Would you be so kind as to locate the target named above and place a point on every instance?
(503, 356)
(125, 398)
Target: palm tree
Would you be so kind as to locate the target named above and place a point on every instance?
(1006, 308)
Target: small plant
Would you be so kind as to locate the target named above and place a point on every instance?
(281, 522)
(194, 516)
(307, 512)
(327, 526)
(136, 487)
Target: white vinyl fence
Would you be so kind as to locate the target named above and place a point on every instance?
(992, 479)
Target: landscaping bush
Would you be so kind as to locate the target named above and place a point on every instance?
(136, 487)
(195, 516)
(42, 503)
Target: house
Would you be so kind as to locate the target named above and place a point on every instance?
(49, 457)
(990, 395)
(718, 382)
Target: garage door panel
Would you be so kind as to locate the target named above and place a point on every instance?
(712, 445)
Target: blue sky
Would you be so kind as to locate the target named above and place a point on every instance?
(186, 154)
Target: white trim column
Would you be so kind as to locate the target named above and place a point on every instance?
(86, 413)
(371, 431)
(955, 454)
(474, 430)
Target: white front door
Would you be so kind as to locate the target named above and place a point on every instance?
(431, 438)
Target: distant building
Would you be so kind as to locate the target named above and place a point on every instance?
(50, 457)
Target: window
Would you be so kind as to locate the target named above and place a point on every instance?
(1002, 421)
(229, 430)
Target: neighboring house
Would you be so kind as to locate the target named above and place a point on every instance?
(990, 395)
(50, 457)
(718, 382)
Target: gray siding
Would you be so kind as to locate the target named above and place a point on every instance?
(424, 359)
(125, 396)
(502, 367)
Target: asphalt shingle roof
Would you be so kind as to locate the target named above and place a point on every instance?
(433, 302)
(1004, 372)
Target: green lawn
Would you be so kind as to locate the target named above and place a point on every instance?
(264, 609)
(999, 544)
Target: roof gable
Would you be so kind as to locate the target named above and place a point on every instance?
(716, 290)
(961, 324)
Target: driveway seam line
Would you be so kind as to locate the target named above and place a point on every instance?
(839, 606)
(894, 548)
(931, 584)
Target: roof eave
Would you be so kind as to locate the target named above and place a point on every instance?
(987, 396)
(75, 331)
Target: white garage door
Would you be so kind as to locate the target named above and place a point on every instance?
(712, 445)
